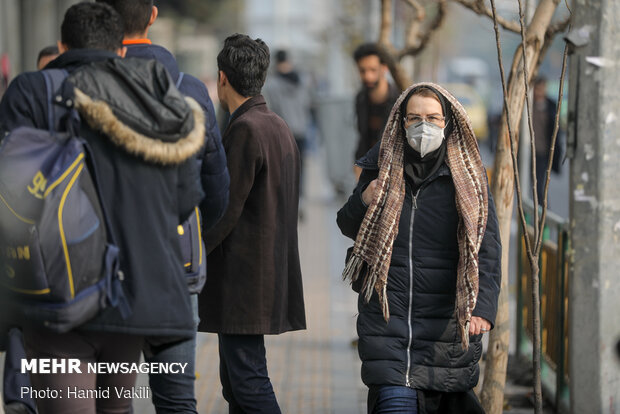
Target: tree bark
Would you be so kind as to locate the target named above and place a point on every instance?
(402, 79)
(386, 23)
(492, 395)
(418, 36)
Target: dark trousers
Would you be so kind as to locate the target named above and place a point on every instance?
(14, 380)
(174, 393)
(87, 347)
(392, 399)
(243, 373)
(435, 402)
(403, 400)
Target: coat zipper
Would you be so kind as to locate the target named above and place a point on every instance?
(414, 207)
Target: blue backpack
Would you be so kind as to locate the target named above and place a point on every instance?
(58, 260)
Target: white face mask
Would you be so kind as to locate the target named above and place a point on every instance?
(424, 137)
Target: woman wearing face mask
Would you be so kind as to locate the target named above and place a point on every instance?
(426, 258)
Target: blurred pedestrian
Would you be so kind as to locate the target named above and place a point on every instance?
(287, 94)
(254, 286)
(375, 99)
(543, 120)
(175, 392)
(46, 55)
(426, 258)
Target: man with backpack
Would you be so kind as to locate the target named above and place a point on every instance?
(175, 393)
(142, 138)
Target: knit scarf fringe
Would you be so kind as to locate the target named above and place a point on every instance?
(352, 272)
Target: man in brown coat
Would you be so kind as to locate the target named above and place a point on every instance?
(254, 283)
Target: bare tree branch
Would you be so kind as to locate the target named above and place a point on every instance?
(416, 22)
(508, 124)
(553, 29)
(554, 136)
(477, 6)
(528, 106)
(424, 36)
(386, 23)
(402, 79)
(532, 254)
(420, 13)
(557, 27)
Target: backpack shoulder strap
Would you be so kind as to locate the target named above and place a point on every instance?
(54, 78)
(180, 79)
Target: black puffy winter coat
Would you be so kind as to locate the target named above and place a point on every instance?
(420, 346)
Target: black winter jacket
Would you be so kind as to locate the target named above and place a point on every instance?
(145, 201)
(420, 346)
(362, 111)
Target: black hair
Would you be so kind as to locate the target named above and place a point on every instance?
(136, 14)
(47, 51)
(369, 49)
(92, 26)
(245, 62)
(281, 56)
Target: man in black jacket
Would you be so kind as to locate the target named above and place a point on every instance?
(175, 393)
(147, 187)
(375, 99)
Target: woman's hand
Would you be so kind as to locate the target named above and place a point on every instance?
(479, 325)
(369, 192)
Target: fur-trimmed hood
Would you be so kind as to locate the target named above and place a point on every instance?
(135, 104)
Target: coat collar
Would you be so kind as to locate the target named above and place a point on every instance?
(75, 58)
(257, 100)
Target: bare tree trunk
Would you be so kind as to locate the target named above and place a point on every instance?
(536, 345)
(386, 22)
(399, 74)
(492, 396)
(418, 36)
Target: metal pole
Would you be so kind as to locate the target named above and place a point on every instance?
(594, 286)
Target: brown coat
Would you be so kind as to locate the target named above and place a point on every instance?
(253, 273)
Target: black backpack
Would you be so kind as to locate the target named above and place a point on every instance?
(58, 260)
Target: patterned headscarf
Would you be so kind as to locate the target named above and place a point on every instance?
(373, 245)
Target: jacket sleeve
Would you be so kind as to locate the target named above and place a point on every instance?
(189, 191)
(212, 159)
(214, 175)
(244, 160)
(490, 268)
(350, 216)
(24, 103)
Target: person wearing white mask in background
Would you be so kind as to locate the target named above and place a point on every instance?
(426, 260)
